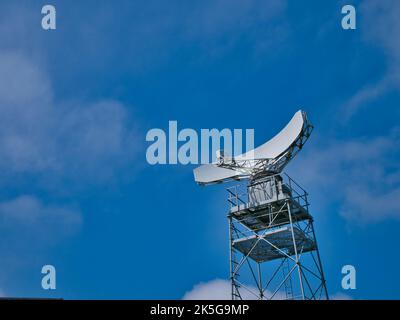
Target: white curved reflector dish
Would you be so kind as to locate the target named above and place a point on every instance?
(211, 173)
(278, 144)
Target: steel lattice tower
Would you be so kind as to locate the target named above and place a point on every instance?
(273, 247)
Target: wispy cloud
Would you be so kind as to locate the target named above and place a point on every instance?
(41, 135)
(28, 216)
(363, 175)
(209, 20)
(380, 28)
(217, 26)
(50, 148)
(149, 34)
(30, 228)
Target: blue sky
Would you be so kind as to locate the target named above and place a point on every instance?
(76, 103)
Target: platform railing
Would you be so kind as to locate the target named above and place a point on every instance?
(299, 194)
(239, 195)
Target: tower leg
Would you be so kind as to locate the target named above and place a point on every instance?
(260, 285)
(235, 294)
(299, 271)
(231, 268)
(321, 270)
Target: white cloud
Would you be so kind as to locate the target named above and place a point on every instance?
(219, 289)
(363, 175)
(213, 290)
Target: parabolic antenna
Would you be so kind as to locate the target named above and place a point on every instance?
(267, 159)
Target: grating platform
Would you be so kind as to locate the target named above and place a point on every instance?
(268, 214)
(281, 238)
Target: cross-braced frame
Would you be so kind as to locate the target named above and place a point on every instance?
(273, 248)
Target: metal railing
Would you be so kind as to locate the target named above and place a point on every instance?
(299, 194)
(239, 194)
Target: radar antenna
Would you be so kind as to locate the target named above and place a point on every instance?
(270, 227)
